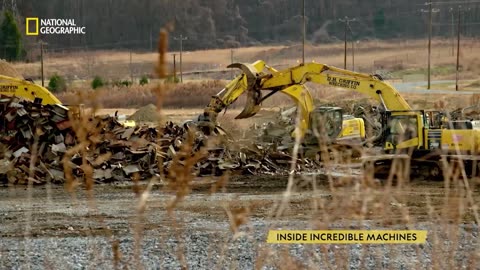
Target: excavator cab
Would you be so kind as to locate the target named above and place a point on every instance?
(326, 122)
(404, 129)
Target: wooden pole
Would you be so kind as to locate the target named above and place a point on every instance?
(303, 31)
(174, 68)
(353, 55)
(346, 21)
(181, 38)
(231, 62)
(345, 39)
(458, 49)
(429, 40)
(41, 63)
(131, 67)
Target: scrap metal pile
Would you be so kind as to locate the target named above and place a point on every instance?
(46, 143)
(278, 131)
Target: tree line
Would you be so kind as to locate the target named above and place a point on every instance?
(232, 23)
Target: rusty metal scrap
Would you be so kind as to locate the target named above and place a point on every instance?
(34, 140)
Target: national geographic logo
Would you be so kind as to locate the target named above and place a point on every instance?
(35, 26)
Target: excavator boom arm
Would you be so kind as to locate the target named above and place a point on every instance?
(25, 89)
(332, 76)
(247, 82)
(291, 82)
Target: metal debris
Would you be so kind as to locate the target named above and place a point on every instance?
(116, 153)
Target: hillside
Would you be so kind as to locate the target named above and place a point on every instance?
(235, 23)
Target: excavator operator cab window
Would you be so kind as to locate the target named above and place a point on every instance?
(327, 121)
(402, 128)
(460, 124)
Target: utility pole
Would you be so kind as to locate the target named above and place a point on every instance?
(151, 40)
(303, 32)
(353, 48)
(464, 25)
(131, 68)
(459, 30)
(174, 68)
(346, 21)
(430, 19)
(345, 39)
(181, 38)
(465, 18)
(231, 62)
(458, 48)
(453, 31)
(353, 55)
(429, 40)
(41, 61)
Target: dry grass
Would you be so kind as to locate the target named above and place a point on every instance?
(8, 70)
(394, 55)
(352, 202)
(197, 94)
(475, 84)
(187, 95)
(116, 64)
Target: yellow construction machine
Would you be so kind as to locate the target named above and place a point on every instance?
(338, 129)
(406, 134)
(27, 89)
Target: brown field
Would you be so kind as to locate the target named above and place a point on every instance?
(196, 95)
(369, 56)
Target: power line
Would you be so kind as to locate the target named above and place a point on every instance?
(346, 21)
(181, 38)
(430, 11)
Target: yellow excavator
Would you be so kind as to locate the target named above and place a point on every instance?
(406, 133)
(339, 129)
(27, 89)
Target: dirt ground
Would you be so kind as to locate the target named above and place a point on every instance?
(49, 228)
(53, 212)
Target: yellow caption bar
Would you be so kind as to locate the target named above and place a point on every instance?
(347, 237)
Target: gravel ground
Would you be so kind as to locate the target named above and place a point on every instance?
(204, 249)
(65, 234)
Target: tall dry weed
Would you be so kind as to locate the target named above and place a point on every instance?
(364, 203)
(184, 95)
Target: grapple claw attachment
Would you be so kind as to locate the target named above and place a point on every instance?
(252, 105)
(254, 96)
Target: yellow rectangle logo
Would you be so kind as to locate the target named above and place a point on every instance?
(347, 237)
(28, 20)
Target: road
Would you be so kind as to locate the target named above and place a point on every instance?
(413, 88)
